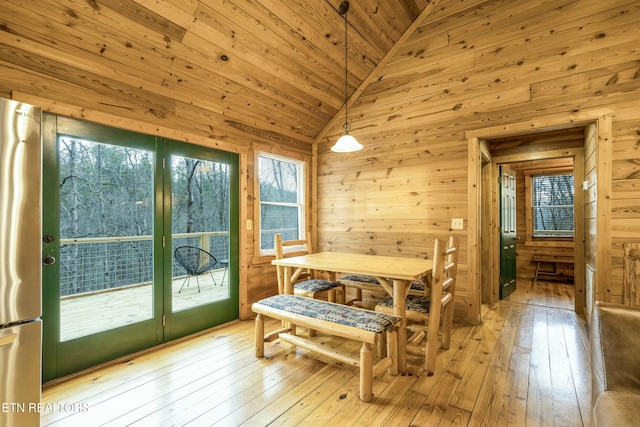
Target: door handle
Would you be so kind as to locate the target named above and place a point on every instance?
(7, 339)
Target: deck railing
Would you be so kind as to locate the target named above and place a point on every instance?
(93, 264)
(100, 263)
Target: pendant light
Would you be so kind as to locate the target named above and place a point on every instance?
(346, 143)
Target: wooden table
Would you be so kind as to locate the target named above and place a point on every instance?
(394, 273)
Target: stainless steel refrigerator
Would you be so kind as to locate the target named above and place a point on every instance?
(20, 264)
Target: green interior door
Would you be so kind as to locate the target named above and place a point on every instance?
(107, 216)
(507, 232)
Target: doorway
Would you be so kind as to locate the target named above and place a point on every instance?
(595, 175)
(525, 165)
(545, 229)
(116, 205)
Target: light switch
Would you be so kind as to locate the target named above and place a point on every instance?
(457, 223)
(249, 224)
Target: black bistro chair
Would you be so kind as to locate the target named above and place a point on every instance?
(195, 261)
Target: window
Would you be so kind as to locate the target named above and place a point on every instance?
(552, 204)
(282, 199)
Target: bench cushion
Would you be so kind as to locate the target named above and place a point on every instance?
(316, 285)
(337, 313)
(417, 303)
(417, 285)
(361, 278)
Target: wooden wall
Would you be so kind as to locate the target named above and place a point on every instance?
(469, 68)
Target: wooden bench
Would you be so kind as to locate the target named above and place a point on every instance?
(368, 327)
(556, 261)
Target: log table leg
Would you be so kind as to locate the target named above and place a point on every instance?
(400, 309)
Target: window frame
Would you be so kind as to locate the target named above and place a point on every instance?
(529, 178)
(303, 187)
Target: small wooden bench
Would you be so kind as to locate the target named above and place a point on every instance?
(556, 261)
(365, 326)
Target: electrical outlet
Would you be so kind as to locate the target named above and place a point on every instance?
(457, 223)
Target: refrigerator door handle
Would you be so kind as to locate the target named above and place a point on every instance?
(7, 339)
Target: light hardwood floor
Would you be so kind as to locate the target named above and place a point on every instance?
(544, 293)
(525, 365)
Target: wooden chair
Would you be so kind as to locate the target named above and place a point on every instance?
(305, 283)
(434, 307)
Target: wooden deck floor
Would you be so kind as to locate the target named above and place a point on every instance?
(525, 365)
(100, 311)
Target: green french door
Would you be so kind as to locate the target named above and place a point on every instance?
(116, 205)
(199, 184)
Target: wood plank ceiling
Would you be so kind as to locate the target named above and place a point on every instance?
(236, 70)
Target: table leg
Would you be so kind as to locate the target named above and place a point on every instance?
(288, 286)
(399, 309)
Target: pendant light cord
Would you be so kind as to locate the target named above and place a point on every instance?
(346, 74)
(346, 143)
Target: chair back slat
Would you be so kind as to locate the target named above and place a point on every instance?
(447, 283)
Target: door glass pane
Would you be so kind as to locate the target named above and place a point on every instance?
(200, 226)
(106, 220)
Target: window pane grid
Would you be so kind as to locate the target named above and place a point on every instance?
(553, 206)
(281, 199)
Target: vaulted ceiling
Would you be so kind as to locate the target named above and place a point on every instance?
(269, 70)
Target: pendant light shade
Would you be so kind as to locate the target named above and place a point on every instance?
(346, 143)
